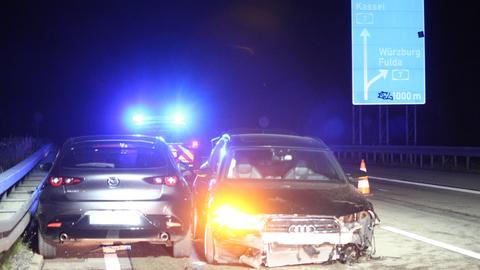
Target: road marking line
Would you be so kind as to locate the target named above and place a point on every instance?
(433, 242)
(426, 185)
(111, 259)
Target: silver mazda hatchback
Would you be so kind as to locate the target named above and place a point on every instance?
(114, 189)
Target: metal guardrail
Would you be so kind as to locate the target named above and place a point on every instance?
(13, 224)
(466, 158)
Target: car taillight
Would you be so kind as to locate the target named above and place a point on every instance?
(57, 181)
(162, 180)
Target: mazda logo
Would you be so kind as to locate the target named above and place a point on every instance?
(113, 182)
(301, 229)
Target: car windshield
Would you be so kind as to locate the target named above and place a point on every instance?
(114, 154)
(281, 163)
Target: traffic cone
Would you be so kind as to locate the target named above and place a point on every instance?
(363, 167)
(363, 185)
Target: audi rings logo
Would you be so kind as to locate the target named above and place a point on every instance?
(301, 229)
(113, 182)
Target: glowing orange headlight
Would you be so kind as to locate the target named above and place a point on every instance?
(233, 218)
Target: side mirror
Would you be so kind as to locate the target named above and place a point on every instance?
(183, 167)
(46, 166)
(187, 173)
(203, 171)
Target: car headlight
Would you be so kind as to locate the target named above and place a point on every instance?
(235, 219)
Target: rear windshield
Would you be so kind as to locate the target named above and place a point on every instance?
(282, 163)
(115, 154)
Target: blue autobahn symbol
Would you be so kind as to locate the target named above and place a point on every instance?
(388, 52)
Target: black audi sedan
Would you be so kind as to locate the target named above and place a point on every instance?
(114, 189)
(273, 200)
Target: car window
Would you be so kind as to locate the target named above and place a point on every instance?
(115, 155)
(281, 163)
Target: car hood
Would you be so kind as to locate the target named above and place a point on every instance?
(290, 197)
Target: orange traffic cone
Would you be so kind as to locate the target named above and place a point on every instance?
(363, 184)
(363, 167)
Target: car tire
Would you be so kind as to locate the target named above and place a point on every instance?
(183, 248)
(209, 244)
(44, 248)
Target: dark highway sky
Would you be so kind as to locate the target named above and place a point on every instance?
(76, 67)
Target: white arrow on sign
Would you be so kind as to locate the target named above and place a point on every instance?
(382, 73)
(365, 35)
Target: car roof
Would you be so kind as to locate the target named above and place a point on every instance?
(275, 140)
(128, 137)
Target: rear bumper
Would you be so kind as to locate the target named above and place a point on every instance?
(155, 218)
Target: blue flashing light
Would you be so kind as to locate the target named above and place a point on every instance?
(138, 119)
(179, 119)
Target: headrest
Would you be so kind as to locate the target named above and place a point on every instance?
(243, 168)
(301, 170)
(301, 163)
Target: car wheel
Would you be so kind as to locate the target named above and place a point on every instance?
(44, 248)
(209, 244)
(183, 248)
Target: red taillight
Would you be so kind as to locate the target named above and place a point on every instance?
(57, 181)
(171, 180)
(54, 225)
(162, 180)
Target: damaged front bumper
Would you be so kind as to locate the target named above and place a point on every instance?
(292, 240)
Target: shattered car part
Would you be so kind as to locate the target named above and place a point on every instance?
(312, 240)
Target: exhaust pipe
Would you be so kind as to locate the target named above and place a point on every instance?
(164, 236)
(63, 237)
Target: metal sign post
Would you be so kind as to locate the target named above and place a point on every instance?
(357, 125)
(383, 126)
(411, 125)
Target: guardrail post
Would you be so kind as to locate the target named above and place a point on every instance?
(468, 162)
(455, 161)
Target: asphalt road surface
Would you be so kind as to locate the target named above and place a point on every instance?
(421, 228)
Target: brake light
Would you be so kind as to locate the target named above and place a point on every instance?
(171, 181)
(162, 180)
(57, 181)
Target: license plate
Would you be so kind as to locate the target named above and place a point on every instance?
(114, 218)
